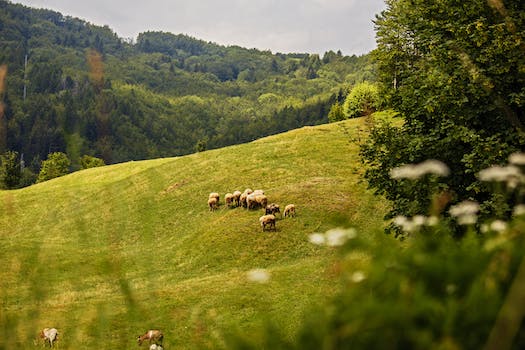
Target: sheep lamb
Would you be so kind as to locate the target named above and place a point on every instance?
(289, 210)
(267, 220)
(237, 198)
(273, 209)
(50, 335)
(228, 199)
(212, 203)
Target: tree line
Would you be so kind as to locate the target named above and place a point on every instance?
(77, 88)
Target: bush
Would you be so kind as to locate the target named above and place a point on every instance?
(362, 100)
(56, 165)
(91, 162)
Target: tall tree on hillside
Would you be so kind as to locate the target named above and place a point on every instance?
(57, 164)
(456, 73)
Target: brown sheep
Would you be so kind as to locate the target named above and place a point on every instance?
(261, 200)
(244, 197)
(212, 203)
(153, 336)
(215, 195)
(273, 209)
(237, 198)
(267, 220)
(228, 199)
(289, 210)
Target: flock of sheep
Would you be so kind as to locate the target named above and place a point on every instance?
(250, 199)
(153, 336)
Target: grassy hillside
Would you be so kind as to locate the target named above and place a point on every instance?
(107, 253)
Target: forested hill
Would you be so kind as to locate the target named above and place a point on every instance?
(77, 88)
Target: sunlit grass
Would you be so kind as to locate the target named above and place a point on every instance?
(107, 253)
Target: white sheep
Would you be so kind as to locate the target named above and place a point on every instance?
(228, 199)
(49, 335)
(251, 201)
(261, 200)
(289, 210)
(215, 195)
(212, 203)
(244, 196)
(237, 198)
(155, 347)
(267, 220)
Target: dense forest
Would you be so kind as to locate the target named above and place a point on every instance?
(79, 89)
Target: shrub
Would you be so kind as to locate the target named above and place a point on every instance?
(56, 165)
(362, 100)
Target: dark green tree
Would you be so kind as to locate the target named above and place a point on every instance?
(10, 172)
(91, 162)
(56, 165)
(454, 71)
(336, 113)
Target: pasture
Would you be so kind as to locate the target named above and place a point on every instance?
(107, 253)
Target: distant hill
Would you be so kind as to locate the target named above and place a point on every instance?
(106, 253)
(78, 88)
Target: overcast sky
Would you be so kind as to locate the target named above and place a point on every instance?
(312, 26)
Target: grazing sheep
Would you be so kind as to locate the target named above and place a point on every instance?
(212, 203)
(267, 220)
(272, 208)
(215, 195)
(261, 200)
(228, 199)
(153, 336)
(49, 335)
(237, 198)
(289, 210)
(251, 202)
(155, 347)
(244, 197)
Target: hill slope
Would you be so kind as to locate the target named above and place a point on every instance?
(107, 253)
(78, 88)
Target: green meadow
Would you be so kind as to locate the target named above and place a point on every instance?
(107, 253)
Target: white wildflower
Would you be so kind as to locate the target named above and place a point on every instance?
(500, 173)
(358, 276)
(400, 220)
(419, 220)
(407, 171)
(498, 226)
(432, 221)
(435, 167)
(469, 219)
(258, 275)
(519, 210)
(317, 238)
(338, 236)
(464, 208)
(415, 171)
(517, 158)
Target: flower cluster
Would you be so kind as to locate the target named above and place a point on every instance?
(416, 171)
(334, 237)
(415, 223)
(466, 212)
